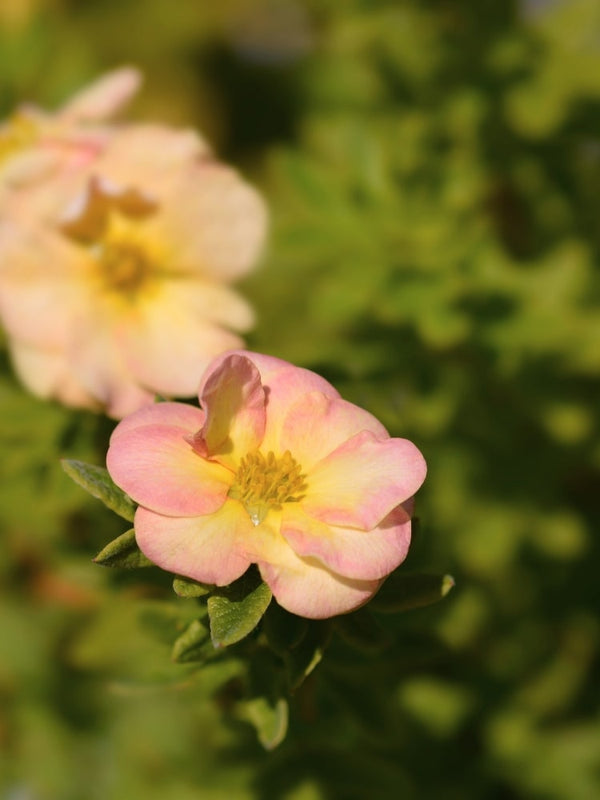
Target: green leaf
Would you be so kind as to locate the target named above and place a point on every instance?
(361, 630)
(98, 483)
(123, 552)
(269, 719)
(186, 587)
(282, 629)
(303, 659)
(194, 644)
(402, 592)
(237, 609)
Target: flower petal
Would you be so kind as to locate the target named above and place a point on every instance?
(205, 548)
(47, 374)
(303, 586)
(316, 425)
(96, 358)
(284, 385)
(103, 97)
(214, 220)
(157, 467)
(180, 415)
(167, 344)
(234, 400)
(364, 555)
(149, 156)
(41, 283)
(363, 480)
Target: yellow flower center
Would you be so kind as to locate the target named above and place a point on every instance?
(125, 266)
(266, 482)
(109, 224)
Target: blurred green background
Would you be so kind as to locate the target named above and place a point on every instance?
(433, 172)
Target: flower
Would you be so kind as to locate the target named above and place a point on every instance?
(114, 273)
(35, 143)
(275, 469)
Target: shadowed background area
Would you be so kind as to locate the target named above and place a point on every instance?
(432, 171)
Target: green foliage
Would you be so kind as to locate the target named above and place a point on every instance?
(235, 610)
(123, 552)
(98, 483)
(401, 591)
(270, 721)
(432, 171)
(194, 644)
(185, 587)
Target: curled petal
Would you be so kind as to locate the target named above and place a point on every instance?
(87, 217)
(363, 480)
(266, 365)
(285, 385)
(234, 400)
(364, 555)
(157, 467)
(205, 548)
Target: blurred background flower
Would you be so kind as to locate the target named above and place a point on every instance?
(116, 249)
(433, 172)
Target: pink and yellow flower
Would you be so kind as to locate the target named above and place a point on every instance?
(115, 270)
(275, 469)
(34, 143)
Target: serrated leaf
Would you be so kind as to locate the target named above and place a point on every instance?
(302, 660)
(270, 720)
(193, 645)
(99, 484)
(402, 592)
(123, 552)
(283, 630)
(235, 610)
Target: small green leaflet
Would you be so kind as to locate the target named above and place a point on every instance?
(99, 484)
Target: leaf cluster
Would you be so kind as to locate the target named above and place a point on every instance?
(285, 647)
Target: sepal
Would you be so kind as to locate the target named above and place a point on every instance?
(186, 587)
(301, 660)
(283, 630)
(123, 552)
(235, 610)
(268, 718)
(362, 631)
(193, 644)
(402, 592)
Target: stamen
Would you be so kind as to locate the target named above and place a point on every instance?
(267, 482)
(125, 266)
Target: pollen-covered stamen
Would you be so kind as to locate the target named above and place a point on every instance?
(267, 482)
